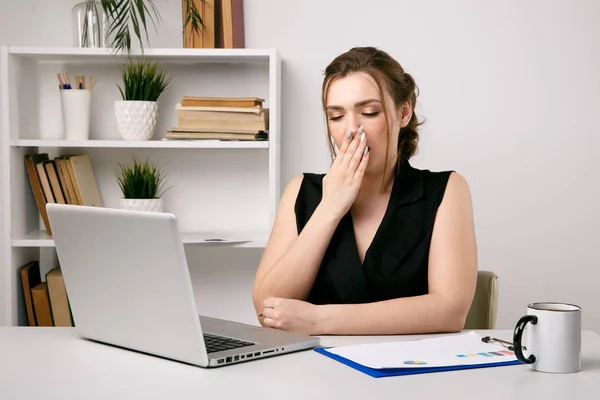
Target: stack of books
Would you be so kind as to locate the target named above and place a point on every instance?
(66, 179)
(220, 118)
(47, 302)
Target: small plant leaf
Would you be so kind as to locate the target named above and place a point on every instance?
(141, 180)
(193, 17)
(123, 14)
(142, 81)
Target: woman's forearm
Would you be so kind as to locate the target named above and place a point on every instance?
(293, 275)
(430, 313)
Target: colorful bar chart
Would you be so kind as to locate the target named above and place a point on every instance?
(501, 353)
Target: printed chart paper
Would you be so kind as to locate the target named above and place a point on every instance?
(447, 351)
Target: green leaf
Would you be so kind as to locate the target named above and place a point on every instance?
(193, 16)
(142, 81)
(121, 14)
(140, 180)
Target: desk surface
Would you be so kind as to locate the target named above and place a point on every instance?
(52, 363)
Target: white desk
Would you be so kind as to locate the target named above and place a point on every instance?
(52, 363)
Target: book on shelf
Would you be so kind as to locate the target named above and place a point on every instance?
(41, 304)
(232, 126)
(223, 25)
(30, 278)
(58, 298)
(175, 134)
(31, 161)
(69, 182)
(237, 102)
(85, 181)
(46, 302)
(64, 178)
(220, 118)
(232, 23)
(67, 179)
(206, 37)
(45, 181)
(221, 112)
(50, 169)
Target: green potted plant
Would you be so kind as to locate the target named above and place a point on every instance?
(142, 186)
(137, 112)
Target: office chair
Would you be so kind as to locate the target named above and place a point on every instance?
(482, 314)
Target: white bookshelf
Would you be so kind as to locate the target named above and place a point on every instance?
(250, 239)
(149, 144)
(215, 186)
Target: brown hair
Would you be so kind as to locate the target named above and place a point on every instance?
(389, 75)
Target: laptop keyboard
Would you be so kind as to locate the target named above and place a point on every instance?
(215, 343)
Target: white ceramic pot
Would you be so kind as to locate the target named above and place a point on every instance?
(136, 120)
(153, 205)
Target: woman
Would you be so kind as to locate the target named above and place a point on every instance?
(374, 246)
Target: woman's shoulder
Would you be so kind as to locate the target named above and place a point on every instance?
(312, 178)
(437, 176)
(444, 177)
(303, 194)
(441, 182)
(448, 183)
(304, 182)
(304, 179)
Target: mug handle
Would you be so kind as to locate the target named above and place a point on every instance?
(518, 337)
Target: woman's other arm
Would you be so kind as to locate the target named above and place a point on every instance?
(290, 262)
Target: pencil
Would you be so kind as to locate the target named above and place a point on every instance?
(62, 85)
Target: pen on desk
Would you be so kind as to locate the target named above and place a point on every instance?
(509, 345)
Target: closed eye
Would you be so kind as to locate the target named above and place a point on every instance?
(366, 114)
(372, 114)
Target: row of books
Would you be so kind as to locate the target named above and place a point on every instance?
(220, 118)
(46, 302)
(223, 25)
(67, 179)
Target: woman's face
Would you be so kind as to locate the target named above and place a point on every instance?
(353, 101)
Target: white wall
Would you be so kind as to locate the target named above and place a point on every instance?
(510, 91)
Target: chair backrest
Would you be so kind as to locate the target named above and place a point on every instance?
(482, 314)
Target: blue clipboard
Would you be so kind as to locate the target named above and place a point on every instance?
(385, 372)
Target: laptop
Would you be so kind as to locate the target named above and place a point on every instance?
(128, 285)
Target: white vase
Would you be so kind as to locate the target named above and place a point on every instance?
(152, 205)
(136, 120)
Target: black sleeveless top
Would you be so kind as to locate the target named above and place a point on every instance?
(396, 262)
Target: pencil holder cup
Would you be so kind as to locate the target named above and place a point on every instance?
(76, 108)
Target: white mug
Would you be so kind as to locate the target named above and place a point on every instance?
(553, 337)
